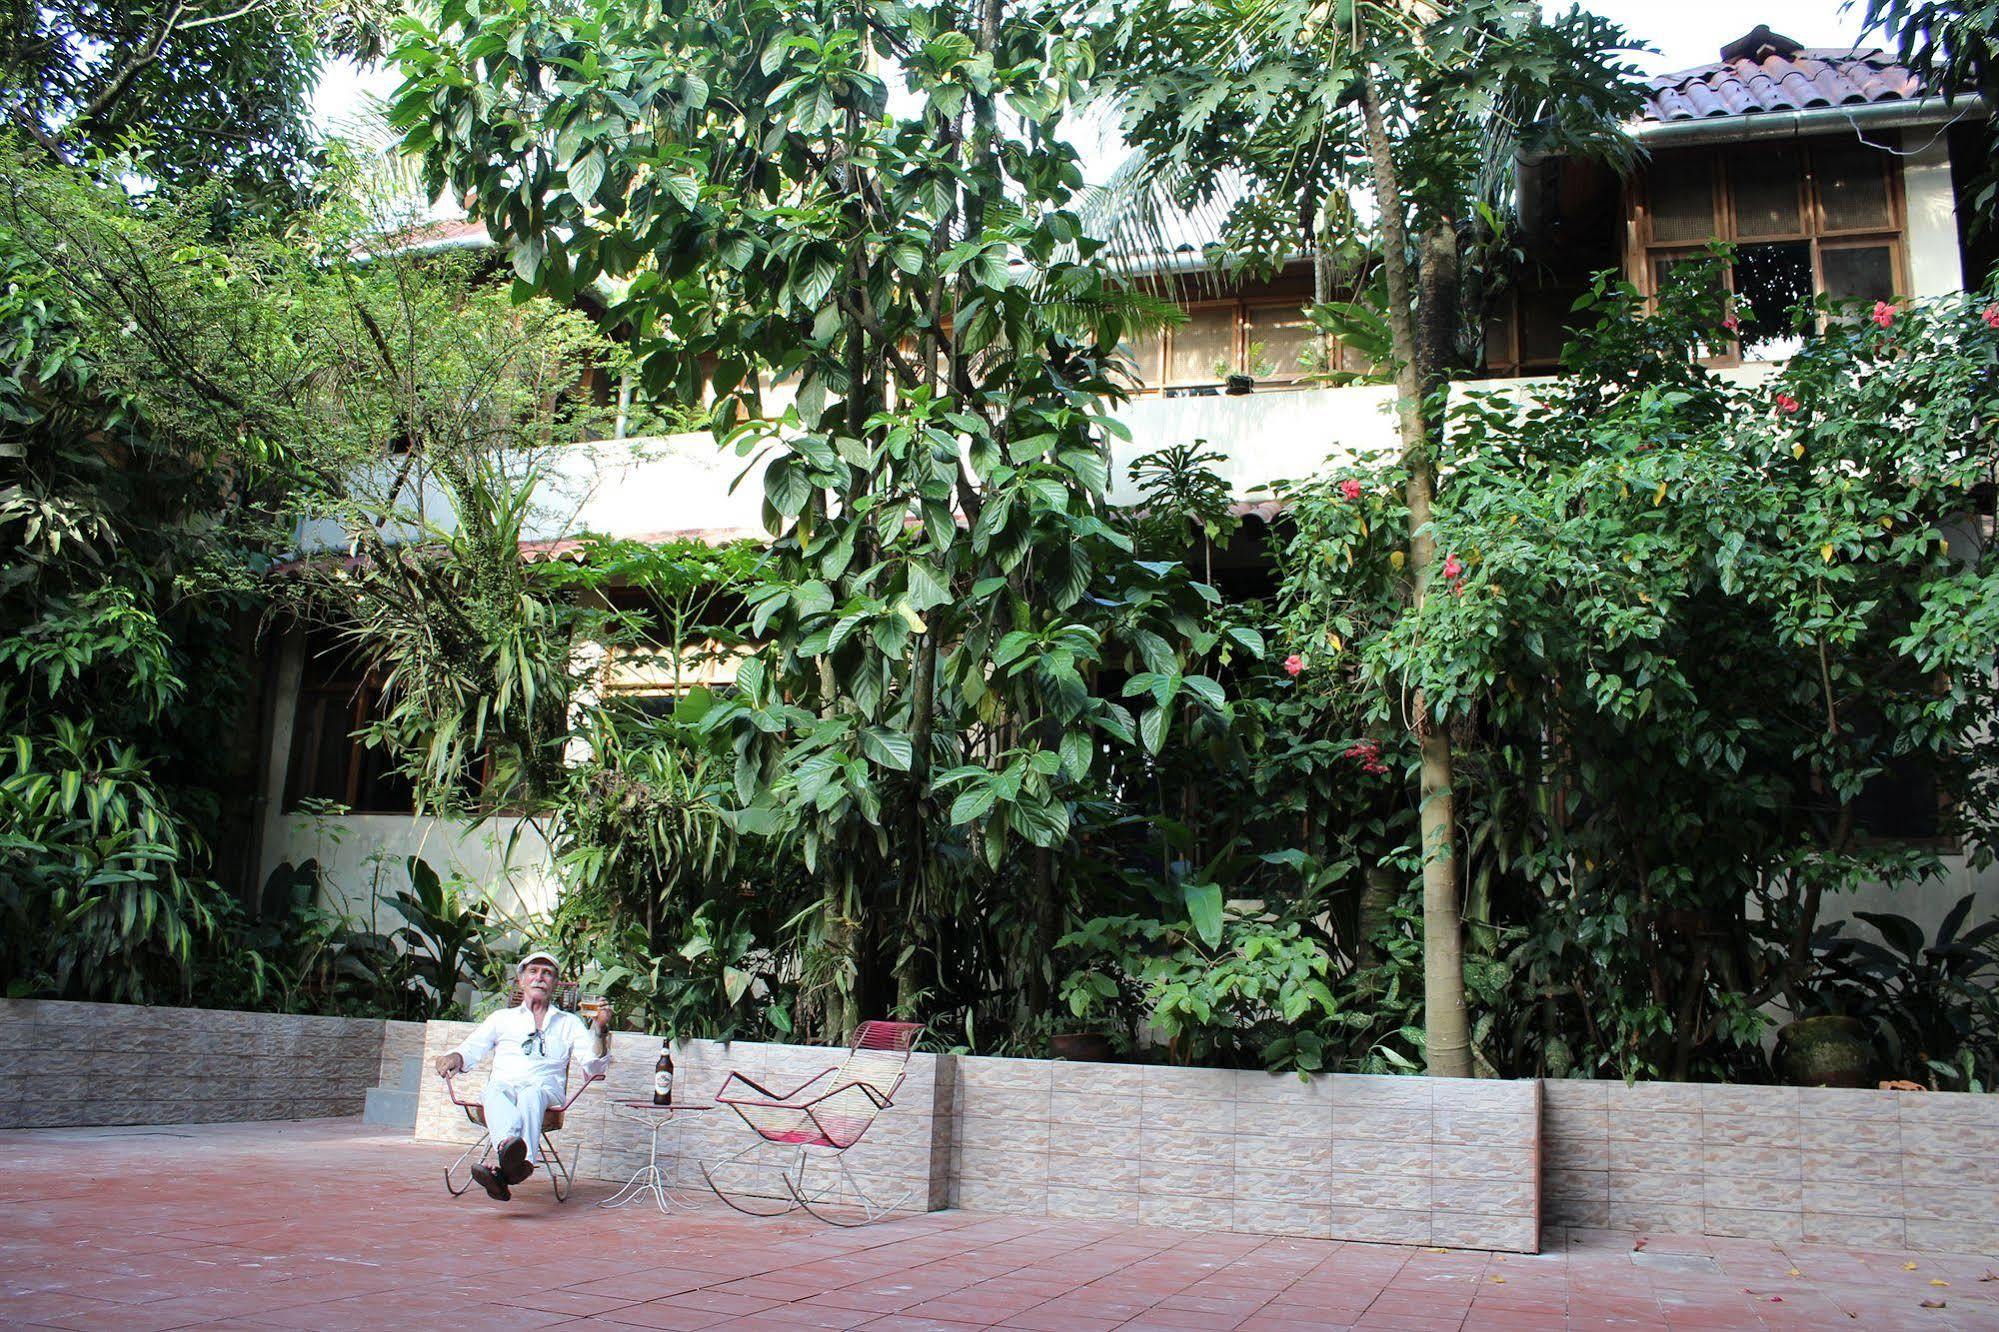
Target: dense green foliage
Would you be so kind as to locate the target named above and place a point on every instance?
(1689, 622)
(962, 739)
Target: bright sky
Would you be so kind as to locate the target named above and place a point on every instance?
(1692, 32)
(1685, 33)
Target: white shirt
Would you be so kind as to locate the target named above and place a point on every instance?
(545, 1062)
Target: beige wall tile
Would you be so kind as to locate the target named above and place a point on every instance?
(1282, 1186)
(1484, 1127)
(1652, 1098)
(1283, 1088)
(1086, 1204)
(978, 1073)
(1292, 1155)
(1383, 1157)
(1859, 1198)
(1086, 1079)
(1663, 1126)
(1508, 1234)
(1875, 1232)
(1579, 1095)
(1455, 1162)
(1393, 1191)
(1117, 1173)
(1822, 1134)
(1377, 1091)
(1881, 1169)
(1583, 1184)
(1378, 1225)
(1191, 1114)
(982, 1193)
(1575, 1122)
(1847, 1103)
(1749, 1192)
(1194, 1084)
(1183, 1146)
(1654, 1186)
(1186, 1212)
(1486, 1197)
(1748, 1223)
(1576, 1211)
(1205, 1179)
(1390, 1124)
(1677, 1218)
(1975, 1233)
(1283, 1218)
(1576, 1153)
(1753, 1162)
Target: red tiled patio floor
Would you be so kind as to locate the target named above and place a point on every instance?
(327, 1225)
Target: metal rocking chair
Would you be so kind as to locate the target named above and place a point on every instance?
(832, 1117)
(559, 1175)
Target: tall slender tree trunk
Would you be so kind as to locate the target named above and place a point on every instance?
(1446, 1025)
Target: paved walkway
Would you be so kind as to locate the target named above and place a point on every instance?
(327, 1225)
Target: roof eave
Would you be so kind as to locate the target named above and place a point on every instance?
(1754, 126)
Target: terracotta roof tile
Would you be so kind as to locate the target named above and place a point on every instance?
(1808, 78)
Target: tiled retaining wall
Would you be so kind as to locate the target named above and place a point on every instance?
(1914, 1170)
(1444, 1161)
(906, 1152)
(67, 1064)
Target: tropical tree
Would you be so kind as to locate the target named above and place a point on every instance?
(944, 586)
(179, 93)
(1399, 124)
(1688, 633)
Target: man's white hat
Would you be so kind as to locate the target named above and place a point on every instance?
(538, 956)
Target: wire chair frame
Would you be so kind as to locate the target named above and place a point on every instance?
(830, 1111)
(560, 1177)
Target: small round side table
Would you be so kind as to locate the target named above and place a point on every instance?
(650, 1179)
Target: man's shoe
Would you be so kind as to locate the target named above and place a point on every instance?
(489, 1179)
(514, 1166)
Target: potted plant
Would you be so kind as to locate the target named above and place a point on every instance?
(1825, 1050)
(1236, 383)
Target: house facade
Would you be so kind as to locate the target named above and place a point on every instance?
(1831, 171)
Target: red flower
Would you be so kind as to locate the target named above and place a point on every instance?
(1351, 489)
(1787, 404)
(1991, 316)
(1884, 313)
(1369, 754)
(1294, 664)
(1452, 569)
(1731, 323)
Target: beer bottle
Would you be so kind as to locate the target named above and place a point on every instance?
(662, 1075)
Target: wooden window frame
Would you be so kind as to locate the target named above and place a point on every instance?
(1641, 250)
(1151, 361)
(317, 714)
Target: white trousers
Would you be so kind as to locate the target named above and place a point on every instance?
(513, 1110)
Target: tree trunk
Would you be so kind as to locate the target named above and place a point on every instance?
(1377, 897)
(1447, 1028)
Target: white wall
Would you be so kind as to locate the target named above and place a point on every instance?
(362, 857)
(1934, 265)
(631, 488)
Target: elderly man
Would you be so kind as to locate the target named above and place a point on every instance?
(531, 1044)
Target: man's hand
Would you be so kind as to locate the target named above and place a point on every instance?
(448, 1064)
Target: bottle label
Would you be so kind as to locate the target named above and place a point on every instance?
(662, 1081)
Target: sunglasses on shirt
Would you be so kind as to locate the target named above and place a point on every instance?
(534, 1043)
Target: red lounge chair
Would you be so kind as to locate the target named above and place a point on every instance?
(830, 1111)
